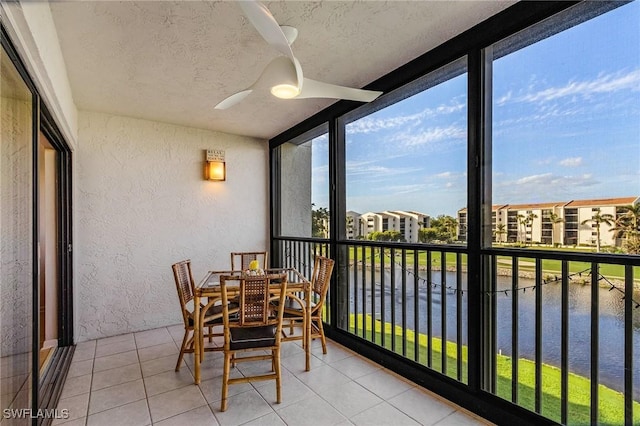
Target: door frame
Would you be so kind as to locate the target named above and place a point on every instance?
(46, 389)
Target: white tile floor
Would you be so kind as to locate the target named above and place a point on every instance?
(130, 380)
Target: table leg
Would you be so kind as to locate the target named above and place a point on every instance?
(197, 332)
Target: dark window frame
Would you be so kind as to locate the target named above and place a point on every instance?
(477, 46)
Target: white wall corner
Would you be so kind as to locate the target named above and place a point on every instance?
(31, 28)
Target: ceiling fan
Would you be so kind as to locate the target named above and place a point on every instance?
(283, 75)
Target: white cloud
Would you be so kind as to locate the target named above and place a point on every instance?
(371, 124)
(370, 170)
(544, 161)
(546, 177)
(543, 188)
(404, 189)
(365, 168)
(571, 162)
(607, 83)
(428, 136)
(449, 176)
(505, 99)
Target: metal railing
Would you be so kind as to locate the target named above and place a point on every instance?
(558, 323)
(570, 326)
(411, 302)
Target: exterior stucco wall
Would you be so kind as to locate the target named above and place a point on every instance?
(295, 198)
(587, 231)
(143, 204)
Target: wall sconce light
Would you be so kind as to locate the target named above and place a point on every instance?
(215, 167)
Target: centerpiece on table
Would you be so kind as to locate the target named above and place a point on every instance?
(254, 269)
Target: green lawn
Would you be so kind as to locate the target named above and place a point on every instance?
(611, 403)
(549, 266)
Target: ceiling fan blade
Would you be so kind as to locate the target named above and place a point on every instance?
(264, 22)
(279, 71)
(233, 99)
(267, 26)
(318, 89)
(291, 33)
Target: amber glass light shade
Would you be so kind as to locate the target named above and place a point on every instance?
(216, 170)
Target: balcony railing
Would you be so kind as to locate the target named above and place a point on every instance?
(417, 312)
(571, 320)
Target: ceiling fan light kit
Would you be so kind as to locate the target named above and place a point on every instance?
(284, 74)
(285, 91)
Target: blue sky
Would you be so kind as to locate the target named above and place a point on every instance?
(566, 125)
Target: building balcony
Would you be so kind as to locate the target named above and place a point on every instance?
(109, 122)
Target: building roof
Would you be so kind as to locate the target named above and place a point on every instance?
(622, 201)
(533, 206)
(596, 202)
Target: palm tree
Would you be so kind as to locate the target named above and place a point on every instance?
(319, 222)
(598, 219)
(522, 221)
(554, 219)
(451, 225)
(632, 216)
(626, 226)
(501, 229)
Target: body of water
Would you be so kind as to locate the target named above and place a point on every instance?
(611, 320)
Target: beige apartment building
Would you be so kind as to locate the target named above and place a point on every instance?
(561, 223)
(408, 223)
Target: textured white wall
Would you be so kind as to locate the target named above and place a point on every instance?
(295, 198)
(143, 204)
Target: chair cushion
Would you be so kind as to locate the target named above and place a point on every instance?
(252, 337)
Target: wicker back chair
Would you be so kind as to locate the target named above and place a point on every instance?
(240, 260)
(253, 327)
(294, 311)
(185, 286)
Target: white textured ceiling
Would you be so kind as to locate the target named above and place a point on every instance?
(173, 61)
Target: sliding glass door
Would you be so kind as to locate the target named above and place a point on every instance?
(36, 334)
(16, 245)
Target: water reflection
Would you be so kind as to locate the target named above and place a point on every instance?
(611, 318)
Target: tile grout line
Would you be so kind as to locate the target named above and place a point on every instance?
(289, 370)
(93, 361)
(144, 383)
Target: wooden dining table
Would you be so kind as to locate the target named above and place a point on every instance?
(208, 293)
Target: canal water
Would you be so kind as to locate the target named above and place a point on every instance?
(611, 319)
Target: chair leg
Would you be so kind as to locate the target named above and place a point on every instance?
(305, 330)
(210, 334)
(182, 349)
(322, 338)
(276, 362)
(225, 381)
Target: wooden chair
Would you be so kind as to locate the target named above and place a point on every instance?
(185, 286)
(240, 260)
(293, 312)
(252, 328)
